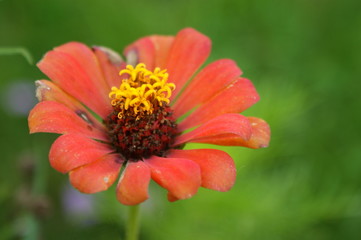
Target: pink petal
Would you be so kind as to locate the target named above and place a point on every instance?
(110, 63)
(189, 51)
(72, 150)
(212, 79)
(141, 51)
(217, 167)
(162, 45)
(236, 98)
(181, 177)
(54, 117)
(260, 136)
(86, 57)
(132, 187)
(97, 176)
(229, 124)
(75, 69)
(48, 91)
(153, 51)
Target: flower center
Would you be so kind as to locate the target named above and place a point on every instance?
(141, 124)
(141, 91)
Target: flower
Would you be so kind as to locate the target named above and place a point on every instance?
(136, 116)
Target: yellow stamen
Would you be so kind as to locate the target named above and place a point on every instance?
(141, 90)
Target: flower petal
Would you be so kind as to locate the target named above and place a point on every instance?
(181, 177)
(236, 98)
(97, 176)
(74, 67)
(212, 79)
(48, 91)
(189, 51)
(153, 51)
(162, 45)
(72, 150)
(171, 197)
(133, 185)
(110, 63)
(141, 51)
(260, 136)
(217, 167)
(89, 61)
(229, 124)
(54, 117)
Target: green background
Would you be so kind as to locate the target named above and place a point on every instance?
(304, 58)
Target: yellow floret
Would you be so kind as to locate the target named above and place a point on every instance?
(141, 90)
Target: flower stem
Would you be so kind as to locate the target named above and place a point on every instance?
(133, 223)
(17, 50)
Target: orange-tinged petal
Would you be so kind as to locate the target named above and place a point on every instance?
(211, 80)
(229, 124)
(189, 51)
(141, 51)
(181, 177)
(75, 69)
(162, 45)
(110, 63)
(72, 150)
(97, 176)
(261, 133)
(48, 91)
(218, 170)
(171, 197)
(55, 117)
(260, 138)
(236, 98)
(133, 185)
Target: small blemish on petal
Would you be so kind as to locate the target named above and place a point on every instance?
(40, 87)
(132, 57)
(84, 116)
(106, 179)
(112, 55)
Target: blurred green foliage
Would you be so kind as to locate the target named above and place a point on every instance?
(304, 57)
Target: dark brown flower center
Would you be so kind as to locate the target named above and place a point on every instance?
(138, 138)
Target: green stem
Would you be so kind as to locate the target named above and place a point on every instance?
(17, 50)
(133, 223)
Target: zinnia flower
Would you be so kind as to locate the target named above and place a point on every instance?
(138, 117)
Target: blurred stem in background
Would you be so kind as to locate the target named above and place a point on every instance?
(38, 187)
(32, 227)
(37, 180)
(17, 50)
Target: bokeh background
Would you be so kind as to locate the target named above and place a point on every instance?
(304, 58)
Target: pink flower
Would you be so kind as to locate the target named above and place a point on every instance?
(141, 118)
